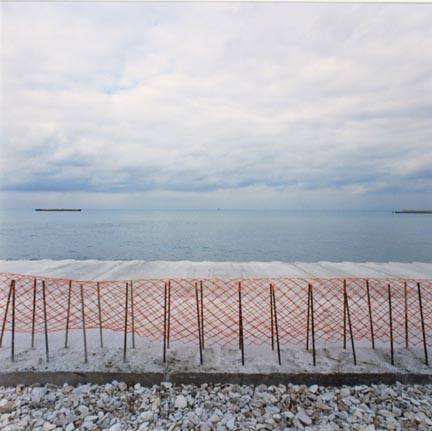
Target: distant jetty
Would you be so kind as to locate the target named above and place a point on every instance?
(58, 209)
(412, 212)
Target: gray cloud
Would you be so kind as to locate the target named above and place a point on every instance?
(218, 99)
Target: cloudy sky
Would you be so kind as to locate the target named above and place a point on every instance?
(203, 105)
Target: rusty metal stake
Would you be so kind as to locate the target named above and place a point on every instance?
(132, 315)
(68, 313)
(100, 314)
(165, 322)
(349, 324)
(13, 322)
(422, 324)
(312, 324)
(370, 314)
(344, 319)
(199, 323)
(126, 322)
(5, 315)
(271, 317)
(83, 324)
(169, 315)
(308, 318)
(391, 324)
(45, 320)
(406, 313)
(33, 314)
(241, 341)
(202, 313)
(276, 322)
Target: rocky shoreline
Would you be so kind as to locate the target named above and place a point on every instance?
(117, 407)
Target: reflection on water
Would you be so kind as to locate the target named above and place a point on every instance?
(216, 235)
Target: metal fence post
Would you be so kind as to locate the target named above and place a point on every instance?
(308, 317)
(276, 322)
(199, 323)
(13, 322)
(132, 315)
(202, 312)
(5, 315)
(241, 341)
(349, 324)
(344, 319)
(126, 322)
(33, 314)
(169, 316)
(312, 323)
(271, 317)
(422, 324)
(83, 324)
(370, 314)
(406, 313)
(391, 324)
(165, 322)
(99, 314)
(68, 313)
(45, 320)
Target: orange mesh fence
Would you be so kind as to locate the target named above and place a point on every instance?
(104, 305)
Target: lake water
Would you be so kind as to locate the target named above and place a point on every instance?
(216, 235)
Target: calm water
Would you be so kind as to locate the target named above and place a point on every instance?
(216, 235)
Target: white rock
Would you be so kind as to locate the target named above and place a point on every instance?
(122, 386)
(303, 417)
(345, 392)
(180, 402)
(313, 389)
(84, 410)
(82, 389)
(230, 424)
(156, 403)
(385, 413)
(214, 419)
(397, 411)
(327, 396)
(91, 418)
(37, 394)
(6, 406)
(146, 416)
(215, 407)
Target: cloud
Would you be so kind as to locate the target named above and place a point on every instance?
(216, 99)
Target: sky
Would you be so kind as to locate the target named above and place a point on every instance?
(216, 105)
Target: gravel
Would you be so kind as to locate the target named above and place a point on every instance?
(117, 407)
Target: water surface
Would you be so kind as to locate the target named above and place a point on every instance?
(216, 235)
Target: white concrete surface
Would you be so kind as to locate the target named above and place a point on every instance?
(184, 357)
(118, 270)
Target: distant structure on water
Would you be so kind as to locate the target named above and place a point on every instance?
(58, 209)
(412, 212)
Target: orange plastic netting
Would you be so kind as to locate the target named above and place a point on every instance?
(104, 305)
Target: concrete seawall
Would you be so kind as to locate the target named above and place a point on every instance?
(122, 270)
(149, 379)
